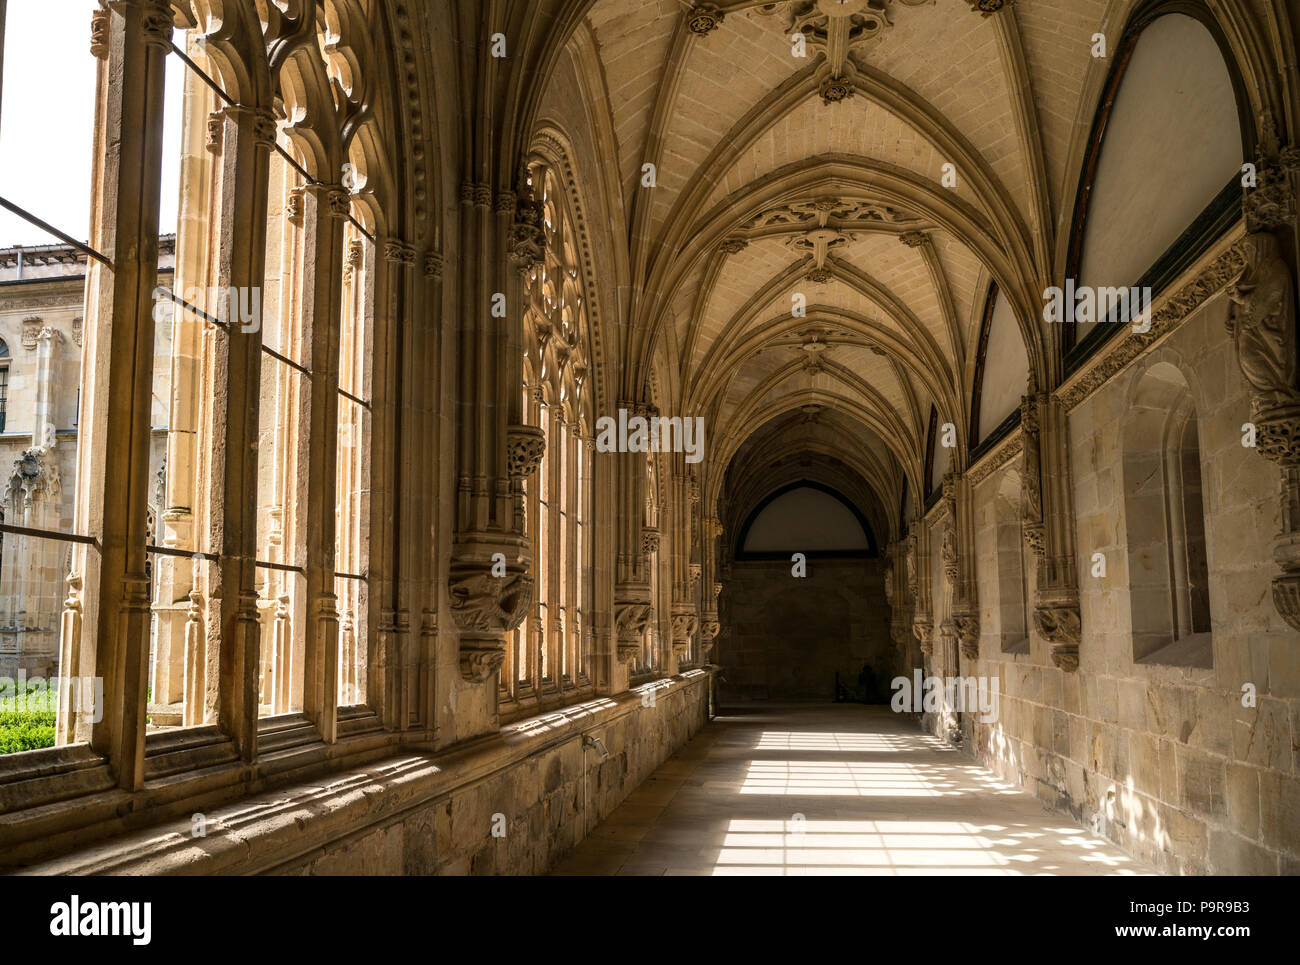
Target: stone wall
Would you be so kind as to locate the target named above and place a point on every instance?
(789, 635)
(534, 783)
(1163, 759)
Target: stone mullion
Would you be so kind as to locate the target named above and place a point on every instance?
(324, 208)
(117, 391)
(240, 209)
(572, 576)
(1056, 608)
(390, 497)
(427, 385)
(555, 477)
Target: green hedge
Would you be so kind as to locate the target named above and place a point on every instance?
(27, 723)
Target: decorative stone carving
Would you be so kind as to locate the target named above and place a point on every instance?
(696, 571)
(631, 619)
(1060, 625)
(709, 630)
(949, 555)
(923, 630)
(156, 25)
(1031, 483)
(1270, 204)
(33, 478)
(684, 627)
(913, 239)
(338, 203)
(649, 541)
(32, 326)
(215, 132)
(525, 446)
(99, 33)
(1261, 322)
(704, 18)
(968, 633)
(77, 325)
(527, 245)
(733, 246)
(988, 8)
(835, 89)
(399, 253)
(1120, 351)
(433, 265)
(485, 608)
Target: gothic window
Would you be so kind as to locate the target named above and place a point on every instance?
(1164, 509)
(547, 653)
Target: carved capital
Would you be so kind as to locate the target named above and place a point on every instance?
(525, 447)
(399, 253)
(99, 33)
(913, 239)
(649, 541)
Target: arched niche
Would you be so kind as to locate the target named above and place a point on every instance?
(1164, 518)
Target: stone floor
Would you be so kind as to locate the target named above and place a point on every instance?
(842, 789)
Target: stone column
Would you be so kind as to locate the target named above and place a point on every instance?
(918, 585)
(113, 482)
(324, 209)
(632, 603)
(1056, 607)
(496, 451)
(238, 270)
(684, 613)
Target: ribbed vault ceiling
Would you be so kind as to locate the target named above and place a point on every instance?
(765, 189)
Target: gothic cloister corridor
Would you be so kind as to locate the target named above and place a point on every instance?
(877, 797)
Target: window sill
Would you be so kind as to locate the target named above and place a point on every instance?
(1016, 646)
(1194, 652)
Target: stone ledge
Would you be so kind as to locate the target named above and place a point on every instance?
(265, 831)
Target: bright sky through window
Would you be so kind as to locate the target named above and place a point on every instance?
(47, 121)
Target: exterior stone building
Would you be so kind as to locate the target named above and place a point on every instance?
(372, 498)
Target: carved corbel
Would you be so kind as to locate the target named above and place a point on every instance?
(709, 629)
(631, 618)
(968, 634)
(485, 608)
(685, 623)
